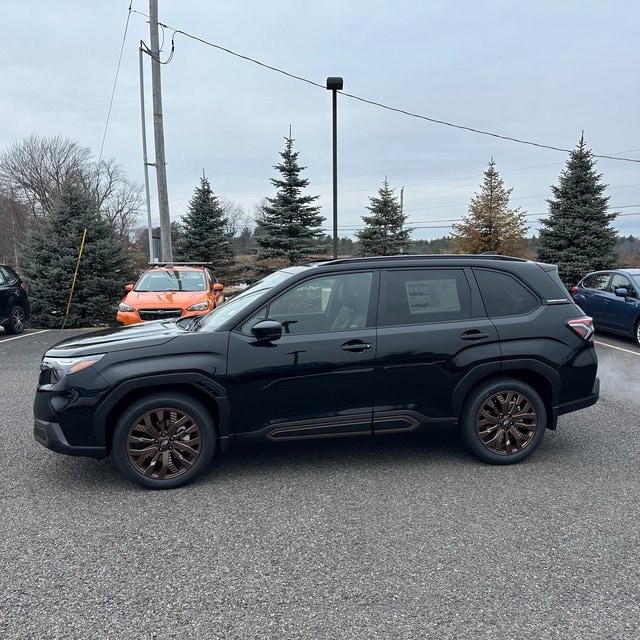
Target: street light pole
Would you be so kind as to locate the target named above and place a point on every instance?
(334, 84)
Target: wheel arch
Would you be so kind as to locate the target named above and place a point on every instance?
(197, 386)
(542, 379)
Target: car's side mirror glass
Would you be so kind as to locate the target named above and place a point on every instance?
(267, 330)
(128, 287)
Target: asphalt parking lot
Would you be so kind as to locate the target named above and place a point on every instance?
(404, 537)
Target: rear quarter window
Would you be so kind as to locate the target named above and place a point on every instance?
(504, 295)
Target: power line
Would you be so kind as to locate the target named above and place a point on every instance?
(379, 104)
(115, 82)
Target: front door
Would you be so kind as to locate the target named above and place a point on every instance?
(317, 379)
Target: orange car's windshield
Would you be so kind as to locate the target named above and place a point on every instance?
(172, 281)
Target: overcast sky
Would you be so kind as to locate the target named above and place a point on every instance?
(538, 70)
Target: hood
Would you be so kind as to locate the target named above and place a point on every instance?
(134, 336)
(168, 299)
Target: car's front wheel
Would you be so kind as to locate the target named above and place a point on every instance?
(503, 421)
(164, 441)
(636, 332)
(17, 320)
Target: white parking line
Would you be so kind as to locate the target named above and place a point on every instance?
(605, 344)
(25, 335)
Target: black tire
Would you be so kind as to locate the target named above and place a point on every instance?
(503, 421)
(164, 441)
(636, 332)
(17, 320)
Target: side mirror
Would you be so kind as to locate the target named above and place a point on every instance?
(218, 287)
(128, 287)
(622, 292)
(267, 330)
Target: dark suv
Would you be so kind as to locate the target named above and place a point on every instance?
(368, 346)
(14, 303)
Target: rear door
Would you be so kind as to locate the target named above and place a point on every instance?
(433, 338)
(593, 298)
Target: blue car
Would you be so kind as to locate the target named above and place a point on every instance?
(612, 299)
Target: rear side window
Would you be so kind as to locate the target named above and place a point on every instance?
(425, 295)
(7, 276)
(596, 281)
(504, 295)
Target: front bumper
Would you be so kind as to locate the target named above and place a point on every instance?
(49, 435)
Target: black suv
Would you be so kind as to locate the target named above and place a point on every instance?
(368, 346)
(14, 303)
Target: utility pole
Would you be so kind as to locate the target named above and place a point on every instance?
(158, 135)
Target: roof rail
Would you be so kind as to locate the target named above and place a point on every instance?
(428, 256)
(173, 263)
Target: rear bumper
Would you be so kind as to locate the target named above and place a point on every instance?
(581, 403)
(49, 435)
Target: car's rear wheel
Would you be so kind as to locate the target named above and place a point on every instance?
(17, 320)
(503, 421)
(164, 441)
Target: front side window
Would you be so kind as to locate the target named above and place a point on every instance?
(503, 295)
(425, 295)
(619, 281)
(330, 303)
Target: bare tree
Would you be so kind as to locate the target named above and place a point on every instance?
(119, 199)
(14, 217)
(36, 170)
(236, 217)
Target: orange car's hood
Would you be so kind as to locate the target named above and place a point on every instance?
(166, 299)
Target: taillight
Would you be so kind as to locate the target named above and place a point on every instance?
(24, 287)
(583, 326)
(573, 290)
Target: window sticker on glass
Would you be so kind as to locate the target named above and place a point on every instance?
(432, 296)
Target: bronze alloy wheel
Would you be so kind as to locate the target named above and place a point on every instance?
(506, 422)
(164, 443)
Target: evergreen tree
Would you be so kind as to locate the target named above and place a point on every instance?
(491, 225)
(384, 233)
(290, 222)
(204, 236)
(52, 255)
(577, 235)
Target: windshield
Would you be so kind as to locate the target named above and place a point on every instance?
(166, 280)
(235, 306)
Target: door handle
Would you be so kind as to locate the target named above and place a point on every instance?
(473, 334)
(356, 346)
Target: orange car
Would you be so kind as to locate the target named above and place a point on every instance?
(170, 291)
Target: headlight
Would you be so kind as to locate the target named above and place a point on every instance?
(70, 365)
(124, 307)
(201, 306)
